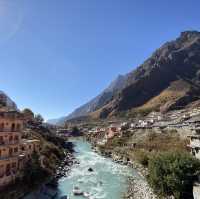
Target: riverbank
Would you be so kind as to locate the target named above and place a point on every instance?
(138, 149)
(137, 188)
(49, 189)
(43, 170)
(95, 175)
(46, 188)
(111, 176)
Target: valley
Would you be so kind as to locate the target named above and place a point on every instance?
(138, 139)
(99, 99)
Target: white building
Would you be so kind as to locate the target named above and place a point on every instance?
(195, 145)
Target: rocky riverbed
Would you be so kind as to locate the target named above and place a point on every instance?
(65, 166)
(49, 190)
(137, 188)
(98, 176)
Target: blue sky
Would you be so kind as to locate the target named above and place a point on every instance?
(57, 54)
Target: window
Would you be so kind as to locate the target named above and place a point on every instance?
(8, 169)
(1, 171)
(14, 165)
(1, 139)
(13, 127)
(16, 150)
(2, 127)
(16, 138)
(11, 138)
(10, 151)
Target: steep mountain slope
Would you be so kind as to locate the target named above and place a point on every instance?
(169, 79)
(173, 67)
(96, 103)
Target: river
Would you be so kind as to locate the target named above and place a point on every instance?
(107, 181)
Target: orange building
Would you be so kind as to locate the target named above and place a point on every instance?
(113, 131)
(12, 155)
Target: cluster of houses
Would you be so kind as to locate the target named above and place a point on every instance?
(14, 151)
(173, 119)
(109, 132)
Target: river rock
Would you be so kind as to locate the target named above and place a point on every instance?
(90, 170)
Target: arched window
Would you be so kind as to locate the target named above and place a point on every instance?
(13, 127)
(1, 171)
(1, 140)
(8, 169)
(11, 138)
(2, 127)
(10, 151)
(16, 137)
(15, 149)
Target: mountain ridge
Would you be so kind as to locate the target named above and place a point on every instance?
(95, 103)
(174, 64)
(175, 60)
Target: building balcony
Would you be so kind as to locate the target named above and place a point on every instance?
(8, 177)
(13, 156)
(7, 143)
(10, 130)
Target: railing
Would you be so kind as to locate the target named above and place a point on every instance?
(10, 130)
(3, 143)
(15, 155)
(10, 172)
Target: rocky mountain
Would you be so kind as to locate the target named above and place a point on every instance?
(169, 79)
(97, 102)
(101, 99)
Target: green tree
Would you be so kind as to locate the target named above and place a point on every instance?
(28, 114)
(76, 131)
(173, 173)
(39, 119)
(34, 174)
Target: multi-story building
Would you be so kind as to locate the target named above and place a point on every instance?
(12, 155)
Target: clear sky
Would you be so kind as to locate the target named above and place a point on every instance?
(57, 54)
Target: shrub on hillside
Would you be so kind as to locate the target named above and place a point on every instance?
(34, 174)
(173, 173)
(142, 157)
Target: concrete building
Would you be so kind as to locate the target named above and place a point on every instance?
(12, 155)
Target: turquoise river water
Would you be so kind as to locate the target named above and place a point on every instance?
(107, 181)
